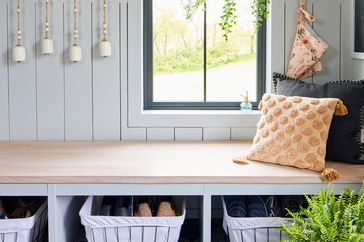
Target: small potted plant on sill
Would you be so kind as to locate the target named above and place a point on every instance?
(329, 218)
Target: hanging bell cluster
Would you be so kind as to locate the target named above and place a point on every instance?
(104, 44)
(75, 50)
(47, 44)
(18, 52)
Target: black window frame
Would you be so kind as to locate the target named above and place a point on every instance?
(149, 104)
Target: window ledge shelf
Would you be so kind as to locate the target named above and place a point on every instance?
(201, 112)
(193, 118)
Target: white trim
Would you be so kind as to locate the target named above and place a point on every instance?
(197, 118)
(137, 117)
(126, 132)
(354, 55)
(358, 55)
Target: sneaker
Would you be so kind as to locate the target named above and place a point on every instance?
(293, 204)
(273, 205)
(256, 207)
(3, 214)
(107, 207)
(235, 206)
(122, 206)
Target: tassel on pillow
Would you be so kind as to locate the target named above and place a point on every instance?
(329, 175)
(241, 160)
(260, 106)
(341, 109)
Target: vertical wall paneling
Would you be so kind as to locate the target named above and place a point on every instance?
(127, 133)
(328, 26)
(184, 134)
(50, 78)
(290, 27)
(160, 134)
(242, 133)
(135, 53)
(123, 47)
(358, 67)
(4, 111)
(346, 39)
(276, 47)
(216, 134)
(22, 76)
(78, 76)
(106, 75)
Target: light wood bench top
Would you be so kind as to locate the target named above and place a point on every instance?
(148, 162)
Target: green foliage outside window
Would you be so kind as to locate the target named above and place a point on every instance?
(178, 44)
(229, 13)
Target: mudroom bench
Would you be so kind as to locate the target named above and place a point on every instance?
(66, 172)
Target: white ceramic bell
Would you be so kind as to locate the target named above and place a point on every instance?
(75, 53)
(47, 46)
(19, 53)
(104, 48)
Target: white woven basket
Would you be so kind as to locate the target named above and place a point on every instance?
(30, 229)
(252, 229)
(125, 229)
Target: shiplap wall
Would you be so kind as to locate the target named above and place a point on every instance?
(49, 98)
(358, 69)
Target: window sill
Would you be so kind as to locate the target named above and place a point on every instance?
(201, 112)
(193, 118)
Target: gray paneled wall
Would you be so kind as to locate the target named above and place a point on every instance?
(358, 69)
(4, 89)
(49, 98)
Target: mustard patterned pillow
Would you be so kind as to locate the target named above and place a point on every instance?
(293, 130)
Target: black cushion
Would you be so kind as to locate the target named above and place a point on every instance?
(345, 142)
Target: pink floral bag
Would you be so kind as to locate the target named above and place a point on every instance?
(308, 47)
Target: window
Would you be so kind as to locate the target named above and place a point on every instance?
(189, 65)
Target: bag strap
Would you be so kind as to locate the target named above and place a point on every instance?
(302, 4)
(306, 15)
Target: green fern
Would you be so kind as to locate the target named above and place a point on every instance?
(329, 218)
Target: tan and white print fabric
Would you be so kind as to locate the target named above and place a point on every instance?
(308, 47)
